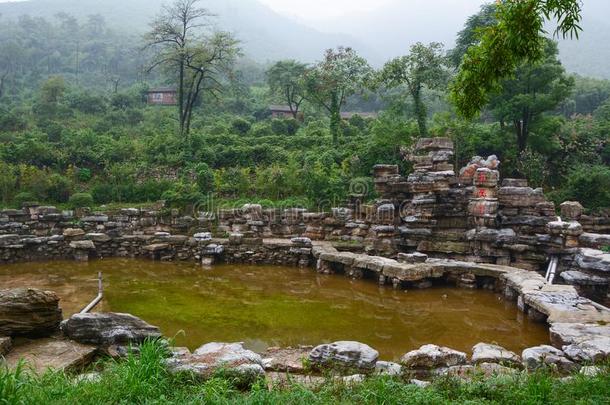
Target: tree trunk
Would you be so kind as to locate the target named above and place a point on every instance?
(335, 118)
(521, 130)
(181, 98)
(420, 112)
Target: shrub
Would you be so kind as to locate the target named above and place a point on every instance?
(240, 126)
(84, 175)
(80, 200)
(182, 194)
(59, 188)
(103, 193)
(24, 197)
(205, 178)
(588, 184)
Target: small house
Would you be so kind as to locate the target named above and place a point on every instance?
(162, 96)
(283, 111)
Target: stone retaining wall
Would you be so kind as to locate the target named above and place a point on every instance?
(471, 216)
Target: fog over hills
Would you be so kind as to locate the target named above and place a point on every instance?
(386, 31)
(265, 34)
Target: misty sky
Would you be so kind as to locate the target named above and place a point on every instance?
(319, 9)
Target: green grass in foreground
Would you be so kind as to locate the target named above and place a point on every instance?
(144, 380)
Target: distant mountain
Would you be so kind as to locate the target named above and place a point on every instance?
(589, 55)
(394, 27)
(265, 34)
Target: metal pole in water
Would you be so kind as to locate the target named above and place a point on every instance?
(100, 295)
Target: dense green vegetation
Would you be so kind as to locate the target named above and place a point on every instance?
(75, 128)
(144, 379)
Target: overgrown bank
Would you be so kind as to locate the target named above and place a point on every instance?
(144, 379)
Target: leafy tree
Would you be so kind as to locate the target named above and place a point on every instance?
(469, 36)
(191, 52)
(535, 88)
(424, 66)
(328, 83)
(516, 37)
(285, 81)
(53, 90)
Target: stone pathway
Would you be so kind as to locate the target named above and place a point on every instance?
(585, 321)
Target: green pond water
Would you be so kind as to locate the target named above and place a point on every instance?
(281, 306)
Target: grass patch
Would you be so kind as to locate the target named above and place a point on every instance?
(144, 379)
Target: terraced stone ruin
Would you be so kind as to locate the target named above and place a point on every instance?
(466, 227)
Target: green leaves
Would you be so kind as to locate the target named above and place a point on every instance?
(517, 37)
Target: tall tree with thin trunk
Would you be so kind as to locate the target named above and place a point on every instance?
(423, 67)
(192, 53)
(328, 84)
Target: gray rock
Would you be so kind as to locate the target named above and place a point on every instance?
(591, 371)
(106, 329)
(352, 380)
(433, 356)
(591, 259)
(72, 232)
(213, 357)
(488, 353)
(581, 278)
(571, 210)
(203, 236)
(345, 354)
(582, 342)
(98, 237)
(29, 312)
(301, 241)
(419, 383)
(388, 368)
(547, 356)
(82, 245)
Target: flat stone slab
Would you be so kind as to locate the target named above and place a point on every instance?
(156, 247)
(51, 353)
(582, 342)
(563, 304)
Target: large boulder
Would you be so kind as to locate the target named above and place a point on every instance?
(105, 329)
(433, 356)
(29, 312)
(488, 353)
(230, 358)
(344, 354)
(547, 356)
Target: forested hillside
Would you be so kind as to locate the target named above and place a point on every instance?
(265, 35)
(75, 128)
